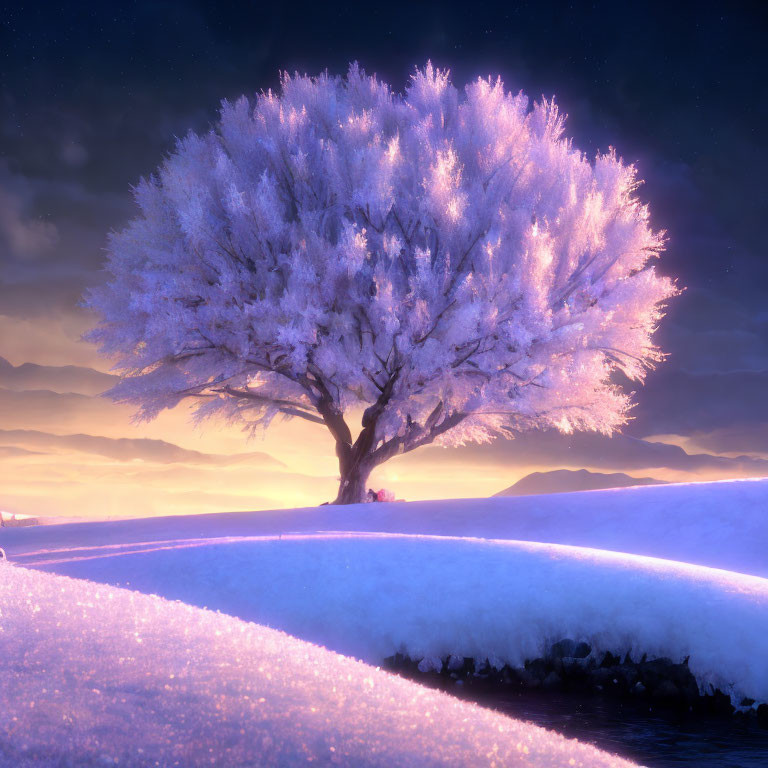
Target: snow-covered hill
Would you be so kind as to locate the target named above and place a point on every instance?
(676, 571)
(720, 525)
(96, 676)
(372, 595)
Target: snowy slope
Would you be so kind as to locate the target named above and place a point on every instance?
(450, 577)
(371, 595)
(97, 676)
(719, 524)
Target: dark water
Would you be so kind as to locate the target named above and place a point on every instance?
(650, 737)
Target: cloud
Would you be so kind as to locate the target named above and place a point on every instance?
(13, 452)
(307, 448)
(52, 236)
(73, 154)
(684, 403)
(47, 410)
(745, 438)
(621, 453)
(81, 485)
(715, 351)
(59, 379)
(52, 338)
(710, 332)
(98, 502)
(130, 449)
(22, 235)
(77, 473)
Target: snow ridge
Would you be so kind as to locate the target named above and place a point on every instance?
(92, 675)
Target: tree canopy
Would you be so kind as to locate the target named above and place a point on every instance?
(447, 262)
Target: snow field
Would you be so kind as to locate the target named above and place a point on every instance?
(371, 595)
(92, 675)
(717, 524)
(90, 672)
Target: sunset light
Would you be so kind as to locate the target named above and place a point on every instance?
(383, 385)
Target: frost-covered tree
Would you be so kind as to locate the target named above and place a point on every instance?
(446, 263)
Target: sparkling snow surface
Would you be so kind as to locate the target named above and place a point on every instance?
(718, 524)
(89, 677)
(92, 675)
(370, 595)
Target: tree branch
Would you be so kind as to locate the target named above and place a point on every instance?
(400, 224)
(248, 394)
(423, 338)
(417, 435)
(462, 260)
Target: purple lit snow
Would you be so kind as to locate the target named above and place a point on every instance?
(92, 675)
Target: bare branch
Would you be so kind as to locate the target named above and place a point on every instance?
(248, 394)
(460, 266)
(423, 338)
(400, 224)
(417, 435)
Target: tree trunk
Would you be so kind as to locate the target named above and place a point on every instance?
(353, 486)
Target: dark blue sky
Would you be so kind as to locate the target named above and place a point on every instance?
(92, 95)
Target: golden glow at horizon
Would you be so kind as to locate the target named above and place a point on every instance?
(75, 484)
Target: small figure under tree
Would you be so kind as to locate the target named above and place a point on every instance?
(449, 265)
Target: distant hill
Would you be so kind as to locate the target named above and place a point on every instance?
(123, 449)
(567, 480)
(56, 378)
(47, 410)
